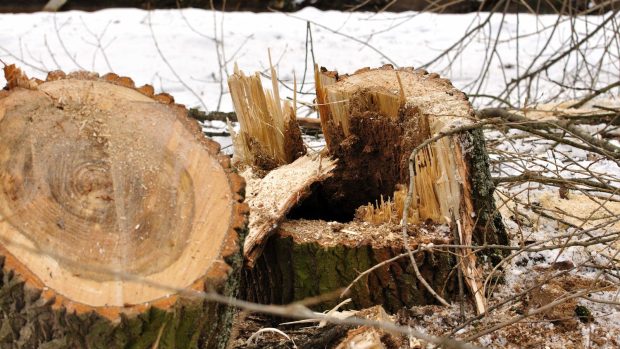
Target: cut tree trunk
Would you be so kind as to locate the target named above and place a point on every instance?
(375, 118)
(116, 213)
(372, 121)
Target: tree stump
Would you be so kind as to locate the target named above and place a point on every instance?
(115, 214)
(314, 258)
(372, 121)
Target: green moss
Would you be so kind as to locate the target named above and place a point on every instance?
(584, 314)
(489, 226)
(308, 270)
(304, 271)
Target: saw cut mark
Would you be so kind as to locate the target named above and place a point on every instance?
(113, 182)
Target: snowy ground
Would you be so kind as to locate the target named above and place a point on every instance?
(188, 53)
(177, 50)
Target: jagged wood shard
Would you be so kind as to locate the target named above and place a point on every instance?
(115, 211)
(272, 197)
(269, 134)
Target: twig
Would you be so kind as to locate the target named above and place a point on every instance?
(532, 313)
(350, 37)
(62, 44)
(172, 70)
(457, 239)
(594, 94)
(597, 145)
(529, 177)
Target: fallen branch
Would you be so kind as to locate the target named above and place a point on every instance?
(304, 123)
(528, 177)
(594, 94)
(532, 126)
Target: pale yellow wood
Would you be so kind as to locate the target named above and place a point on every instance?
(272, 197)
(268, 132)
(104, 189)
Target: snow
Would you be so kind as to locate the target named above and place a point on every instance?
(181, 51)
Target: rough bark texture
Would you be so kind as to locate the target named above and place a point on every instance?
(489, 226)
(30, 320)
(312, 258)
(88, 297)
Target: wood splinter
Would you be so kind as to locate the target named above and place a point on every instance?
(269, 134)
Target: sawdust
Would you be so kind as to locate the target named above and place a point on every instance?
(583, 211)
(355, 233)
(272, 197)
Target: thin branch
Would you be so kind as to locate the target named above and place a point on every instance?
(172, 70)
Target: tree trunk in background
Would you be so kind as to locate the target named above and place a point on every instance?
(443, 6)
(115, 213)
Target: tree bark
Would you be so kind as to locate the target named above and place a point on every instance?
(314, 258)
(115, 214)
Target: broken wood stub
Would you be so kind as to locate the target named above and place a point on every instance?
(269, 134)
(372, 121)
(115, 215)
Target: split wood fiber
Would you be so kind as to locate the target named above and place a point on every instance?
(269, 135)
